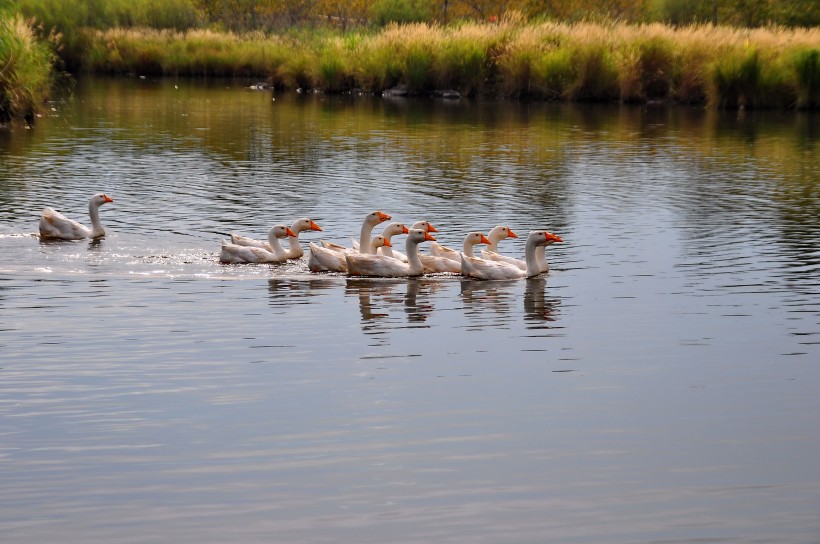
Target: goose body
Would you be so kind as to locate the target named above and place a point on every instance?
(294, 250)
(388, 267)
(238, 254)
(497, 270)
(54, 225)
(327, 260)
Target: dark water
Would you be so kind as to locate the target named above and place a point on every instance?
(661, 384)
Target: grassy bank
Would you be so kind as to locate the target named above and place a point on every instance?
(720, 66)
(25, 69)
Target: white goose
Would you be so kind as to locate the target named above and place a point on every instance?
(294, 251)
(371, 220)
(55, 225)
(540, 256)
(323, 259)
(470, 240)
(236, 254)
(360, 264)
(392, 229)
(496, 234)
(433, 263)
(496, 270)
(423, 225)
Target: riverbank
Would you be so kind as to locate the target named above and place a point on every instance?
(718, 66)
(721, 67)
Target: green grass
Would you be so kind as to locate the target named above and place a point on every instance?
(25, 69)
(721, 66)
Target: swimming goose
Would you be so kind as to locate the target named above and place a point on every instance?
(55, 225)
(323, 259)
(496, 270)
(540, 256)
(360, 264)
(294, 250)
(371, 220)
(236, 254)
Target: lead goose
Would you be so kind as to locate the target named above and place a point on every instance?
(496, 270)
(294, 250)
(360, 264)
(55, 225)
(236, 254)
(323, 259)
(371, 220)
(540, 256)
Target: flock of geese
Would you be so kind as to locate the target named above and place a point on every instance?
(368, 256)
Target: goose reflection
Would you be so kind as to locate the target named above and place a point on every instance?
(377, 296)
(538, 308)
(288, 291)
(486, 302)
(481, 297)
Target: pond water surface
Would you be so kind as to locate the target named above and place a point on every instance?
(660, 384)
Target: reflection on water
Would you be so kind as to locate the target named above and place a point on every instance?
(377, 297)
(660, 384)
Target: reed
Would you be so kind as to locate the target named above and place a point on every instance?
(25, 68)
(724, 67)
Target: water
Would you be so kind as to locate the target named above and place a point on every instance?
(660, 384)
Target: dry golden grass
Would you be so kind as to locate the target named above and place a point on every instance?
(583, 61)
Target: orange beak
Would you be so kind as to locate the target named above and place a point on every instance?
(289, 232)
(431, 228)
(387, 243)
(553, 238)
(384, 217)
(314, 226)
(108, 198)
(428, 237)
(485, 240)
(405, 230)
(512, 234)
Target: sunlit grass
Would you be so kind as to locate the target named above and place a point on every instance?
(720, 66)
(25, 69)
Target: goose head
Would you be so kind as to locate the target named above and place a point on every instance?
(474, 238)
(419, 235)
(374, 218)
(501, 232)
(393, 229)
(542, 238)
(280, 231)
(303, 224)
(424, 225)
(99, 199)
(379, 241)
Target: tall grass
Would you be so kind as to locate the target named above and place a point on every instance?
(72, 18)
(721, 66)
(25, 69)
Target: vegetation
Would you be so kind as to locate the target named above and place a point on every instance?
(627, 50)
(25, 67)
(721, 66)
